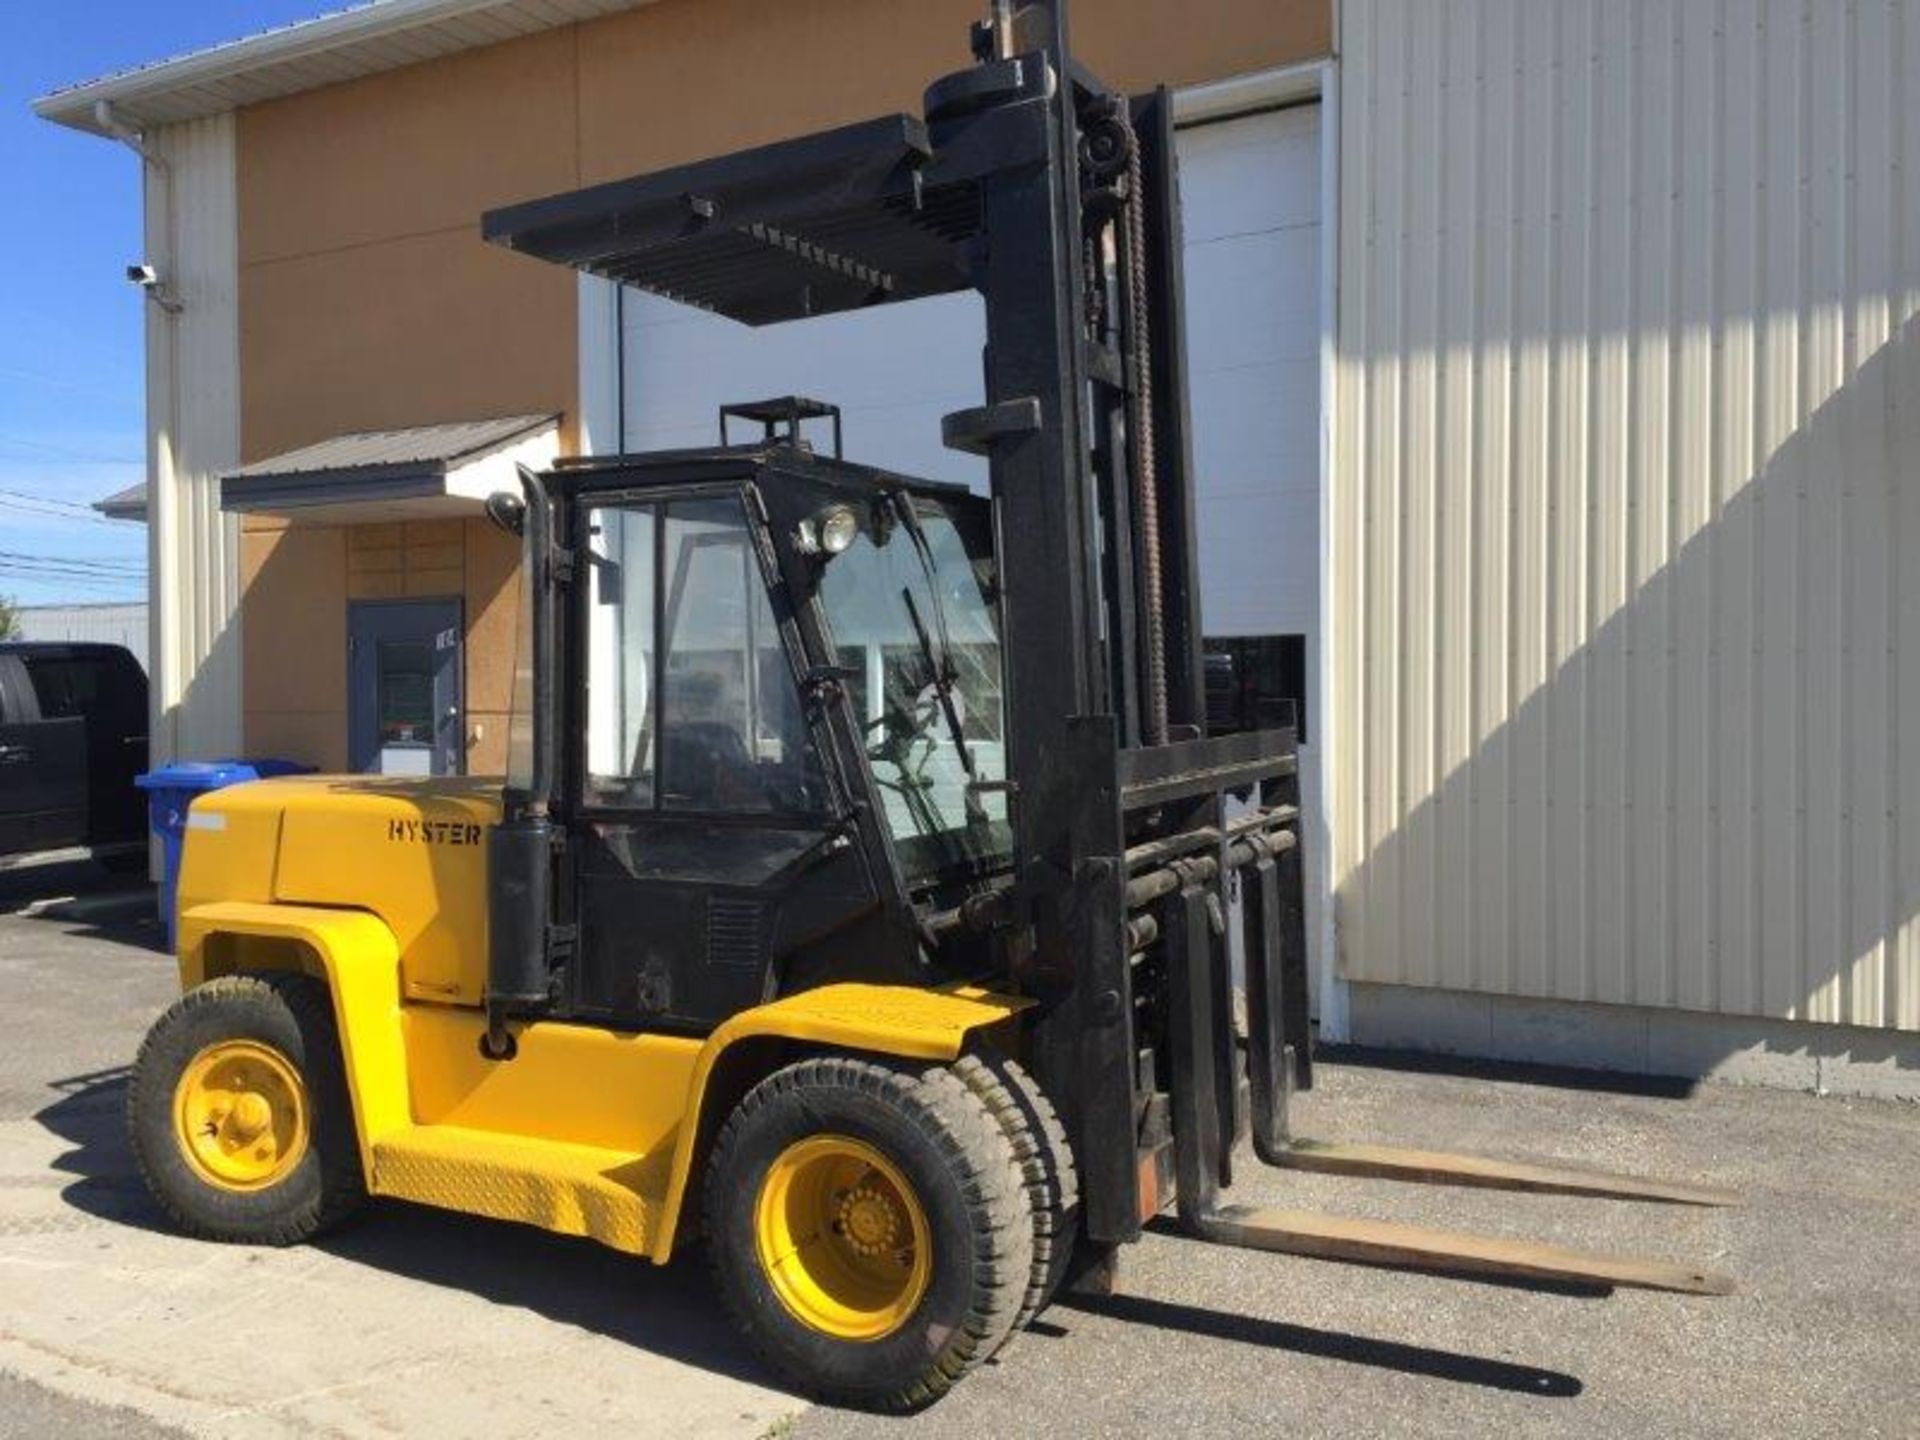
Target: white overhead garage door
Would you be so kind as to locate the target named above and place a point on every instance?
(1251, 187)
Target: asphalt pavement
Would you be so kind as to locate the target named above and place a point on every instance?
(415, 1322)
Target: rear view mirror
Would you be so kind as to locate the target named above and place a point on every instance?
(508, 511)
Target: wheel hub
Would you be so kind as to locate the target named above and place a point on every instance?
(842, 1238)
(241, 1115)
(868, 1220)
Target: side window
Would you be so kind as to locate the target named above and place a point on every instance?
(718, 726)
(733, 736)
(66, 687)
(622, 668)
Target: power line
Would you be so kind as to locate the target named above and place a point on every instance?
(125, 591)
(53, 500)
(101, 564)
(91, 576)
(71, 517)
(76, 572)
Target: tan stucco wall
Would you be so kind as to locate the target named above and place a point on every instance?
(367, 299)
(299, 579)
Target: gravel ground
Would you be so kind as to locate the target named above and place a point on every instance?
(421, 1323)
(32, 1412)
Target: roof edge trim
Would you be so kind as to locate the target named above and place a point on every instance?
(73, 105)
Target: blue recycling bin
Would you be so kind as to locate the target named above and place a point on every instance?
(170, 790)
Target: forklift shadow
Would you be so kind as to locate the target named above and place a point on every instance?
(670, 1312)
(1375, 1354)
(91, 1115)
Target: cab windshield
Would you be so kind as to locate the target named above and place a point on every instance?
(909, 604)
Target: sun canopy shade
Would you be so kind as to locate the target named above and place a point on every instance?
(835, 221)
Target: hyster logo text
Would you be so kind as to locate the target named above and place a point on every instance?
(433, 832)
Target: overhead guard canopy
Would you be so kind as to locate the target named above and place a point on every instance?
(836, 221)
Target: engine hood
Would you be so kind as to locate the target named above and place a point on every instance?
(413, 852)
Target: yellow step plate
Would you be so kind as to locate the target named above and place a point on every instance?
(606, 1195)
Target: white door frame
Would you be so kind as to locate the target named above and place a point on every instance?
(602, 387)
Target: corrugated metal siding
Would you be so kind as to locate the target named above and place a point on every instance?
(437, 446)
(1626, 503)
(193, 434)
(95, 624)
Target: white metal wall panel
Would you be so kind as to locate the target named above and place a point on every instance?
(193, 434)
(1626, 629)
(124, 625)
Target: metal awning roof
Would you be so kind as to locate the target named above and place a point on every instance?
(127, 504)
(342, 45)
(829, 222)
(382, 474)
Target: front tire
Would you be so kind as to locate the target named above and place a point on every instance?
(868, 1229)
(239, 1112)
(1040, 1147)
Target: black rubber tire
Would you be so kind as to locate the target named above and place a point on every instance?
(294, 1015)
(950, 1150)
(1045, 1157)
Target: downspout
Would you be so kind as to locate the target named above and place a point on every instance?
(109, 121)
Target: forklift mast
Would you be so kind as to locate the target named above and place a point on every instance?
(1056, 198)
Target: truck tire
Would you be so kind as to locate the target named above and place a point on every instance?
(867, 1225)
(1045, 1157)
(239, 1112)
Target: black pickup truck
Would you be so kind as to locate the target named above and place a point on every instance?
(73, 734)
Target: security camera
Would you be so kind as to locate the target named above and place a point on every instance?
(148, 279)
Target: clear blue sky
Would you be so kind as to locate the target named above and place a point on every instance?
(72, 426)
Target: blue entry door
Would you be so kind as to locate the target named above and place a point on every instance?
(405, 714)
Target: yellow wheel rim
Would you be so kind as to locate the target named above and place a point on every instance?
(842, 1239)
(240, 1115)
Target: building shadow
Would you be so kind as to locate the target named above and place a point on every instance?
(1511, 1072)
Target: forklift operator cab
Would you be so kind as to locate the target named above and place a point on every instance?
(780, 680)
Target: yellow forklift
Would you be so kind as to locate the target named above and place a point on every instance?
(859, 898)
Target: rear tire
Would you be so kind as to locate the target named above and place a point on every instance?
(832, 1151)
(239, 1112)
(1040, 1147)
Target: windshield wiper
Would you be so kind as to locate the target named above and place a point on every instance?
(941, 677)
(941, 670)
